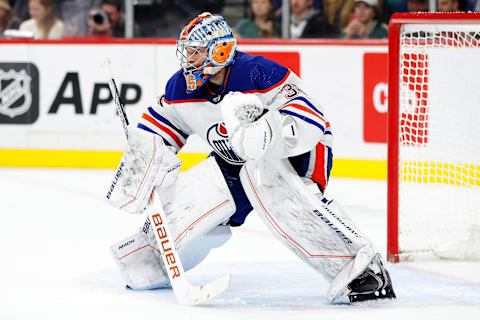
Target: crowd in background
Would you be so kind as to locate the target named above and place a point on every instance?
(348, 19)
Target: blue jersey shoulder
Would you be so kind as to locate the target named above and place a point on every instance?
(246, 74)
(176, 89)
(255, 73)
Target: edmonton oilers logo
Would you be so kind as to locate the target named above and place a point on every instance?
(217, 137)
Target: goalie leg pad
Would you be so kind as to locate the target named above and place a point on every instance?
(141, 265)
(139, 262)
(201, 203)
(323, 237)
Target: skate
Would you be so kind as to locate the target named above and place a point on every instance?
(373, 284)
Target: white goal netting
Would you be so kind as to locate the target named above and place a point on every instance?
(439, 141)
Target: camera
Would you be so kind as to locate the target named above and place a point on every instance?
(99, 17)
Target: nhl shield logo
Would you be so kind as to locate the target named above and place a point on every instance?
(217, 137)
(13, 86)
(18, 93)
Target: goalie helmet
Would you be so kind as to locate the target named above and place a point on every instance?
(206, 45)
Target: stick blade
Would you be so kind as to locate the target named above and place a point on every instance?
(200, 294)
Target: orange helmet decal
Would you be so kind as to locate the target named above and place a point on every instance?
(206, 45)
(222, 51)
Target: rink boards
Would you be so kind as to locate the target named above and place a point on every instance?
(55, 109)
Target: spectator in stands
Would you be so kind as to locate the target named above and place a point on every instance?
(20, 8)
(365, 21)
(5, 13)
(261, 23)
(44, 22)
(7, 19)
(417, 6)
(337, 14)
(75, 15)
(109, 20)
(306, 22)
(448, 5)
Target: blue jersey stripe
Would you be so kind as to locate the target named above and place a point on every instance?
(144, 127)
(303, 118)
(165, 121)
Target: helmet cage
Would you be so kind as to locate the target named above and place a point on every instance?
(205, 49)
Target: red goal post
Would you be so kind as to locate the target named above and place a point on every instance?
(430, 53)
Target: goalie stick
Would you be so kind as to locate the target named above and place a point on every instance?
(185, 292)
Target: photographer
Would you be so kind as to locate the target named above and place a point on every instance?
(99, 24)
(109, 20)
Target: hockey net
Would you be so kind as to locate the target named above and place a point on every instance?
(434, 137)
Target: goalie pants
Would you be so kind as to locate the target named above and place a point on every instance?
(315, 165)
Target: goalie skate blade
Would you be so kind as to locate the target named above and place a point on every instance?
(197, 295)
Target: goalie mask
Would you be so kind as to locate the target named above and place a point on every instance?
(205, 46)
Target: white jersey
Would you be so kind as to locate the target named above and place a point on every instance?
(180, 114)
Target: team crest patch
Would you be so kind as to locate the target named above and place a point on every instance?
(217, 137)
(18, 93)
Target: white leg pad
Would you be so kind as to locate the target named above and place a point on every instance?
(200, 203)
(139, 262)
(141, 265)
(322, 236)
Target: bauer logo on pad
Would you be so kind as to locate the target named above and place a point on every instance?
(19, 91)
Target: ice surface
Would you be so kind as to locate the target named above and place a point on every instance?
(55, 231)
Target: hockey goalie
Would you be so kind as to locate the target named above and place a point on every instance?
(272, 154)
